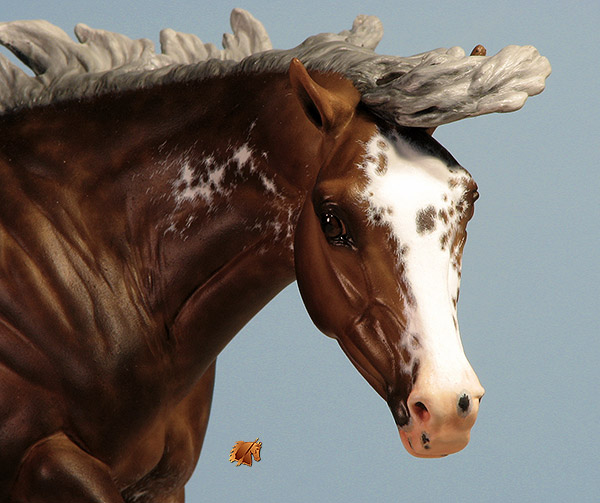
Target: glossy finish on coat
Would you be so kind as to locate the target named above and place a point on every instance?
(136, 243)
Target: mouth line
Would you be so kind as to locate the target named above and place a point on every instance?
(426, 441)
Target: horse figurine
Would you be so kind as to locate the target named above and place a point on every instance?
(151, 204)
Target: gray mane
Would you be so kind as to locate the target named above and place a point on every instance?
(426, 90)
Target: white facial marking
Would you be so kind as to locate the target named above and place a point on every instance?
(420, 199)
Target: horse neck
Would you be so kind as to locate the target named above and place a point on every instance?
(192, 189)
(228, 186)
(230, 182)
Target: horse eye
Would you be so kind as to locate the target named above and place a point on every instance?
(332, 226)
(335, 230)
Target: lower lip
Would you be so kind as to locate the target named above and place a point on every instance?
(408, 446)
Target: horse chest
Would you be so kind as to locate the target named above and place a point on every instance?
(145, 441)
(166, 470)
(181, 440)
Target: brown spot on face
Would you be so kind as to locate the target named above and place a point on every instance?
(382, 165)
(415, 371)
(381, 145)
(414, 341)
(444, 240)
(405, 353)
(443, 215)
(426, 220)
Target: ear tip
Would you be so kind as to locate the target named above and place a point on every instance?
(298, 73)
(296, 63)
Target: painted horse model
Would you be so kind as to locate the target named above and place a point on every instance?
(143, 224)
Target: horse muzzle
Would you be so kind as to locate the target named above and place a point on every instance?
(440, 424)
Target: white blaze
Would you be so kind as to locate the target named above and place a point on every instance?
(415, 195)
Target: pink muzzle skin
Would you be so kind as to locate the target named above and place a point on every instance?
(440, 424)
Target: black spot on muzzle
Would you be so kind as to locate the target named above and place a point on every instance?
(464, 404)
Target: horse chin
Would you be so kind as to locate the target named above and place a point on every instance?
(413, 444)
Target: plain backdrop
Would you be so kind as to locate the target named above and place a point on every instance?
(529, 300)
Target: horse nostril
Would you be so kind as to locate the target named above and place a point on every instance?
(464, 404)
(421, 411)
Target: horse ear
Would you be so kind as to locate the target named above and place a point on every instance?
(327, 110)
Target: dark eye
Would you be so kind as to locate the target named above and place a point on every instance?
(335, 230)
(332, 226)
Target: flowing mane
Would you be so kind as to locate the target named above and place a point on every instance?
(425, 90)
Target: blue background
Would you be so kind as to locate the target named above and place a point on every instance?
(529, 300)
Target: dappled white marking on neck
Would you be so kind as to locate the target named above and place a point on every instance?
(207, 178)
(205, 184)
(243, 156)
(421, 200)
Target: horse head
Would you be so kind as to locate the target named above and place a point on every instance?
(378, 250)
(255, 450)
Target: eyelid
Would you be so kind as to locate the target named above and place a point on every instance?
(329, 204)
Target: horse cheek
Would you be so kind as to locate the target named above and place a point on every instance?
(320, 287)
